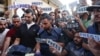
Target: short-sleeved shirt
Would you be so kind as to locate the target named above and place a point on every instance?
(74, 51)
(11, 33)
(55, 34)
(27, 36)
(2, 37)
(87, 23)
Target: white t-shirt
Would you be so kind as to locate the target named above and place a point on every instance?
(2, 36)
(29, 25)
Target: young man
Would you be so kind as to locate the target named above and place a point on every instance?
(3, 32)
(49, 32)
(10, 37)
(28, 32)
(94, 29)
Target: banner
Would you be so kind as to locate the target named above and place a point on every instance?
(82, 9)
(37, 3)
(19, 6)
(50, 43)
(87, 35)
(47, 9)
(72, 25)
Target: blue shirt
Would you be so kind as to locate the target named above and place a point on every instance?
(93, 30)
(55, 34)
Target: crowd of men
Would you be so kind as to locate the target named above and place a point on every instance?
(20, 33)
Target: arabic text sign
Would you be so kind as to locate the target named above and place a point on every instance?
(47, 9)
(50, 43)
(87, 35)
(19, 6)
(54, 45)
(37, 3)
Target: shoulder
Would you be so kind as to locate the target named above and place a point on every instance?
(70, 43)
(57, 30)
(92, 27)
(40, 31)
(7, 30)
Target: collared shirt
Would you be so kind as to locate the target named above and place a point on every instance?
(55, 34)
(28, 36)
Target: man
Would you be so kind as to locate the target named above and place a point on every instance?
(52, 14)
(10, 37)
(6, 16)
(64, 18)
(3, 32)
(28, 32)
(94, 29)
(74, 48)
(49, 32)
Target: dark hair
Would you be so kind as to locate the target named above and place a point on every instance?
(89, 16)
(29, 11)
(23, 16)
(15, 16)
(66, 11)
(46, 16)
(51, 13)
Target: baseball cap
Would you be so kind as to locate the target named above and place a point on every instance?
(95, 6)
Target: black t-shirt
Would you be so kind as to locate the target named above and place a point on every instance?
(27, 36)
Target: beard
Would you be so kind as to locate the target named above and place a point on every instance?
(78, 43)
(97, 24)
(1, 30)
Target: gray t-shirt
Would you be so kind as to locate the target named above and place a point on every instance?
(73, 51)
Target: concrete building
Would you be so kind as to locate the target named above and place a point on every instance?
(52, 4)
(83, 2)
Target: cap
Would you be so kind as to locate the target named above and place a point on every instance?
(95, 6)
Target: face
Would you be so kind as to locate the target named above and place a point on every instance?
(96, 13)
(28, 17)
(77, 39)
(7, 13)
(46, 24)
(3, 25)
(85, 16)
(64, 14)
(52, 16)
(16, 22)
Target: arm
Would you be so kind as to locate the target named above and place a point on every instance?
(63, 53)
(81, 25)
(94, 46)
(6, 45)
(37, 47)
(17, 41)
